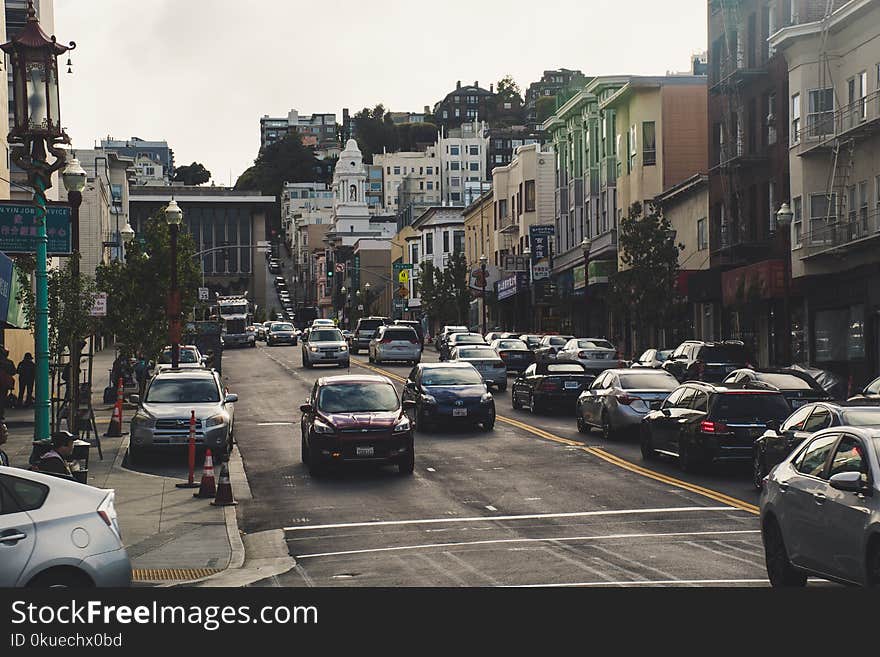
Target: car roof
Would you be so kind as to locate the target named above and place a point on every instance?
(635, 370)
(185, 372)
(728, 387)
(444, 365)
(353, 378)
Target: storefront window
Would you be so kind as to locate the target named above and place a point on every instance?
(830, 324)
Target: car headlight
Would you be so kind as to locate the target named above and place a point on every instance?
(322, 427)
(314, 350)
(215, 420)
(486, 398)
(429, 399)
(343, 348)
(402, 425)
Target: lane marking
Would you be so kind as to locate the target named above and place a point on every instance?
(529, 516)
(508, 541)
(646, 582)
(606, 456)
(276, 424)
(491, 508)
(430, 469)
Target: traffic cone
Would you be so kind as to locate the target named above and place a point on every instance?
(224, 489)
(207, 488)
(115, 428)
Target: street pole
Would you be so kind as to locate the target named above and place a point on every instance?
(585, 245)
(40, 178)
(75, 199)
(174, 217)
(783, 221)
(483, 260)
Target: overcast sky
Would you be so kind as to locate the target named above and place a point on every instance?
(201, 73)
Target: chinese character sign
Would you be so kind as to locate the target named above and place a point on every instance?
(18, 228)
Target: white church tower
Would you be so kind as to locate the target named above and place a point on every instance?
(350, 210)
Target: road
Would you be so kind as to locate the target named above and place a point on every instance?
(532, 503)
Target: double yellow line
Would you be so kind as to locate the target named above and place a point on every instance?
(603, 454)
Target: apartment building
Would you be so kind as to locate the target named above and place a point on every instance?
(503, 143)
(479, 241)
(375, 190)
(468, 104)
(463, 153)
(833, 69)
(317, 130)
(409, 177)
(153, 160)
(552, 84)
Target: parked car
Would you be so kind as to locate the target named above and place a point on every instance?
(274, 266)
(549, 345)
(163, 415)
(487, 362)
(446, 332)
(323, 322)
(457, 339)
(653, 358)
(870, 392)
(595, 354)
(778, 442)
(820, 510)
(396, 343)
(492, 336)
(364, 331)
(351, 419)
(189, 358)
(56, 532)
(798, 388)
(514, 352)
(532, 341)
(449, 393)
(619, 399)
(695, 360)
(415, 326)
(281, 333)
(325, 346)
(262, 330)
(279, 280)
(543, 386)
(701, 423)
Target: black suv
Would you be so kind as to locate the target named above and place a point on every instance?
(798, 388)
(700, 423)
(364, 332)
(696, 360)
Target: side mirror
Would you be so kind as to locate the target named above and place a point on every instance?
(306, 408)
(774, 425)
(409, 384)
(850, 482)
(665, 412)
(408, 404)
(230, 398)
(135, 399)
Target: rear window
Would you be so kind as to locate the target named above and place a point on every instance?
(862, 417)
(451, 376)
(477, 353)
(512, 344)
(325, 335)
(565, 368)
(724, 353)
(369, 324)
(594, 344)
(648, 380)
(557, 342)
(469, 339)
(282, 327)
(399, 334)
(750, 406)
(785, 381)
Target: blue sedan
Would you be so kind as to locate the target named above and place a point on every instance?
(449, 393)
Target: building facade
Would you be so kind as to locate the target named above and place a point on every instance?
(316, 130)
(409, 177)
(463, 155)
(153, 160)
(552, 84)
(468, 104)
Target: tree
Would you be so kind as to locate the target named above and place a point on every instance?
(194, 174)
(647, 284)
(375, 132)
(445, 293)
(287, 160)
(508, 104)
(137, 289)
(545, 107)
(455, 280)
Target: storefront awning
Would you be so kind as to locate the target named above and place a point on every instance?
(760, 281)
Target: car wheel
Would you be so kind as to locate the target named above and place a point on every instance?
(759, 470)
(61, 578)
(502, 387)
(134, 455)
(514, 402)
(304, 450)
(487, 425)
(608, 432)
(533, 405)
(688, 459)
(779, 569)
(407, 463)
(646, 443)
(316, 466)
(583, 427)
(873, 564)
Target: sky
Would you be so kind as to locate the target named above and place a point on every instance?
(201, 73)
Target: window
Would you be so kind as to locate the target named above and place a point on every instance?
(631, 149)
(445, 114)
(26, 495)
(454, 150)
(795, 118)
(502, 207)
(445, 241)
(455, 166)
(812, 461)
(702, 237)
(414, 254)
(396, 171)
(822, 212)
(863, 95)
(474, 150)
(863, 207)
(471, 113)
(474, 166)
(429, 244)
(795, 422)
(455, 196)
(839, 334)
(649, 144)
(455, 182)
(458, 241)
(457, 112)
(820, 120)
(430, 185)
(820, 419)
(687, 398)
(848, 457)
(797, 223)
(530, 195)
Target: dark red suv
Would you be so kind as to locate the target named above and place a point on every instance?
(356, 419)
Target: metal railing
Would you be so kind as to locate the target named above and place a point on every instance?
(819, 236)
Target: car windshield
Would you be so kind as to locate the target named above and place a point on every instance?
(751, 406)
(558, 341)
(357, 398)
(477, 353)
(659, 380)
(178, 391)
(565, 368)
(282, 327)
(186, 356)
(325, 335)
(785, 381)
(468, 339)
(862, 417)
(664, 355)
(724, 353)
(512, 344)
(451, 376)
(594, 344)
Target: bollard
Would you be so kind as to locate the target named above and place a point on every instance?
(190, 483)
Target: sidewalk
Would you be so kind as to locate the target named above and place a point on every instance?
(170, 536)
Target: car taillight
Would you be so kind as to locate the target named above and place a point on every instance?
(582, 354)
(707, 426)
(107, 511)
(385, 341)
(548, 385)
(503, 354)
(624, 398)
(414, 340)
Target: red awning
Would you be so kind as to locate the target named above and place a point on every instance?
(760, 281)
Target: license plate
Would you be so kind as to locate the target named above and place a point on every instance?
(364, 451)
(572, 385)
(459, 412)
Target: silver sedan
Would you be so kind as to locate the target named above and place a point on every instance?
(486, 361)
(595, 354)
(325, 345)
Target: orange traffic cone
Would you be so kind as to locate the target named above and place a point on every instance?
(224, 489)
(207, 488)
(115, 428)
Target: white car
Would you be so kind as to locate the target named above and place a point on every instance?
(56, 532)
(323, 322)
(595, 354)
(190, 358)
(399, 343)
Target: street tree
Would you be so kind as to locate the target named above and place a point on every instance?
(455, 280)
(645, 288)
(508, 103)
(287, 160)
(545, 107)
(194, 174)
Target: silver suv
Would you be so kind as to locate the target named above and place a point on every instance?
(163, 415)
(325, 345)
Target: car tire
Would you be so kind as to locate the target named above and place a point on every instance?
(407, 464)
(608, 431)
(61, 578)
(759, 470)
(304, 450)
(582, 425)
(688, 459)
(502, 387)
(487, 425)
(646, 442)
(513, 401)
(779, 569)
(534, 406)
(135, 455)
(316, 467)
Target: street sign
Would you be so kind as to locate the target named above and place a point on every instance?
(18, 228)
(515, 263)
(99, 308)
(204, 295)
(540, 271)
(403, 292)
(403, 277)
(539, 238)
(340, 267)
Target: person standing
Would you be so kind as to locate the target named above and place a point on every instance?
(7, 381)
(4, 435)
(26, 371)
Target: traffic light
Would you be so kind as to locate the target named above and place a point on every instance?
(329, 269)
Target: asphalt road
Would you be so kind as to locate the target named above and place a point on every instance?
(531, 503)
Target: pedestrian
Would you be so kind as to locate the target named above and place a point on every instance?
(141, 371)
(4, 436)
(7, 381)
(26, 371)
(55, 460)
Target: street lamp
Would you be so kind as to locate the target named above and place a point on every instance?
(483, 261)
(74, 178)
(174, 217)
(127, 233)
(367, 299)
(36, 129)
(586, 245)
(783, 221)
(527, 315)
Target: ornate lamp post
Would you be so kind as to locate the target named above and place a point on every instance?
(174, 217)
(341, 311)
(483, 261)
(783, 222)
(74, 179)
(586, 245)
(36, 129)
(367, 299)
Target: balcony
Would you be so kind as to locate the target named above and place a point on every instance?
(734, 72)
(860, 230)
(576, 194)
(604, 244)
(857, 121)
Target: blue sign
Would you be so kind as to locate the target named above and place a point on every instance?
(6, 273)
(539, 238)
(511, 285)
